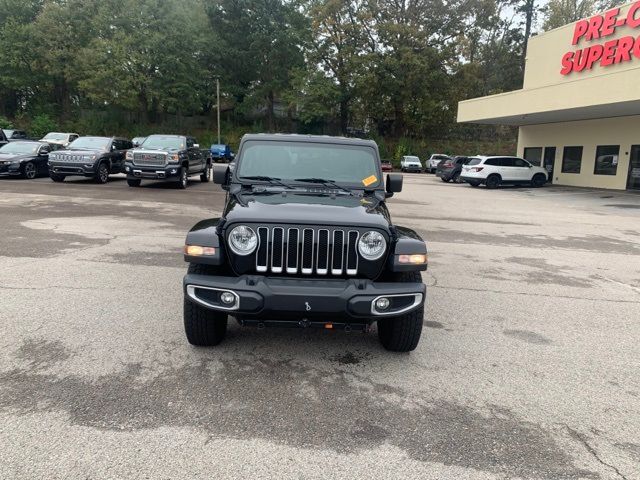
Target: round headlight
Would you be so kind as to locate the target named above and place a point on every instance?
(372, 245)
(243, 240)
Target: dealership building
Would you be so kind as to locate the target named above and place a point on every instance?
(578, 112)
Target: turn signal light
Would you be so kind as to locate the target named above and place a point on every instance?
(198, 251)
(420, 259)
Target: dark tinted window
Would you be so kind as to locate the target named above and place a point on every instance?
(190, 142)
(533, 155)
(518, 162)
(571, 159)
(607, 160)
(496, 162)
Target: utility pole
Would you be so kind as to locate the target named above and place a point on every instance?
(218, 105)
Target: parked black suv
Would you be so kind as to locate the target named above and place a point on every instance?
(168, 157)
(95, 157)
(305, 239)
(451, 168)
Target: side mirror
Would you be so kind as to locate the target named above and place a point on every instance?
(394, 183)
(221, 176)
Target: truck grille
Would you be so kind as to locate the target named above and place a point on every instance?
(70, 158)
(308, 251)
(150, 159)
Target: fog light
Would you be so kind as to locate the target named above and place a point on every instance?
(382, 303)
(174, 171)
(228, 298)
(128, 169)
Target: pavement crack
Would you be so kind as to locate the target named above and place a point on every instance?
(580, 438)
(534, 294)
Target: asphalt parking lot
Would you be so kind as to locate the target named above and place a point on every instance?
(528, 365)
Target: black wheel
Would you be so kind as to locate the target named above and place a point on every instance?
(445, 180)
(474, 184)
(538, 180)
(206, 175)
(402, 334)
(134, 182)
(456, 178)
(493, 181)
(56, 177)
(184, 178)
(29, 171)
(203, 327)
(402, 170)
(102, 175)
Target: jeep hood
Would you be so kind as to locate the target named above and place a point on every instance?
(15, 157)
(307, 209)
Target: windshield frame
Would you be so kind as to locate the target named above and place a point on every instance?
(58, 137)
(71, 146)
(180, 140)
(378, 185)
(18, 143)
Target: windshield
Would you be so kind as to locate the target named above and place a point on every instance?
(55, 136)
(289, 161)
(8, 133)
(164, 142)
(412, 159)
(474, 161)
(90, 143)
(20, 147)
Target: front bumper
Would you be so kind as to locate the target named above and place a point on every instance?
(291, 299)
(10, 170)
(80, 169)
(154, 173)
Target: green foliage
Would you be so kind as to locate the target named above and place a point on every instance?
(394, 70)
(41, 125)
(5, 122)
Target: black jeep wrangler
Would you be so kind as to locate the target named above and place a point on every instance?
(305, 239)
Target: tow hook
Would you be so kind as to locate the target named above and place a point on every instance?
(304, 323)
(347, 328)
(261, 326)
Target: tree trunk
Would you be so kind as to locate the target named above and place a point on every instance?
(270, 111)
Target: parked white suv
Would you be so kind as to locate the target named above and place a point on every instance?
(494, 171)
(432, 163)
(62, 139)
(409, 163)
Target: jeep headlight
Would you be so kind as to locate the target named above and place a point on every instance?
(173, 157)
(372, 245)
(129, 155)
(88, 158)
(243, 240)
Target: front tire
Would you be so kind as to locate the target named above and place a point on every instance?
(29, 171)
(134, 182)
(203, 327)
(493, 181)
(184, 178)
(538, 180)
(402, 334)
(445, 180)
(102, 175)
(56, 177)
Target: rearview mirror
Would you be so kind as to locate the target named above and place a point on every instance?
(221, 176)
(394, 183)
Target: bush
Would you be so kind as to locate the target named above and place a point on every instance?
(41, 125)
(5, 122)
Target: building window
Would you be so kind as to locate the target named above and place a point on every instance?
(533, 155)
(607, 160)
(571, 159)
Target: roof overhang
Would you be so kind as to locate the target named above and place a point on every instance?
(602, 96)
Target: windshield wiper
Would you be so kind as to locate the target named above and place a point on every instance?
(324, 181)
(271, 180)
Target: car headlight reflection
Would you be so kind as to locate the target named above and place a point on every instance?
(243, 240)
(372, 245)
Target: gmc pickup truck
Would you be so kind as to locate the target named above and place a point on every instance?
(167, 157)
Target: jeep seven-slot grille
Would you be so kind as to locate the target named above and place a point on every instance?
(307, 251)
